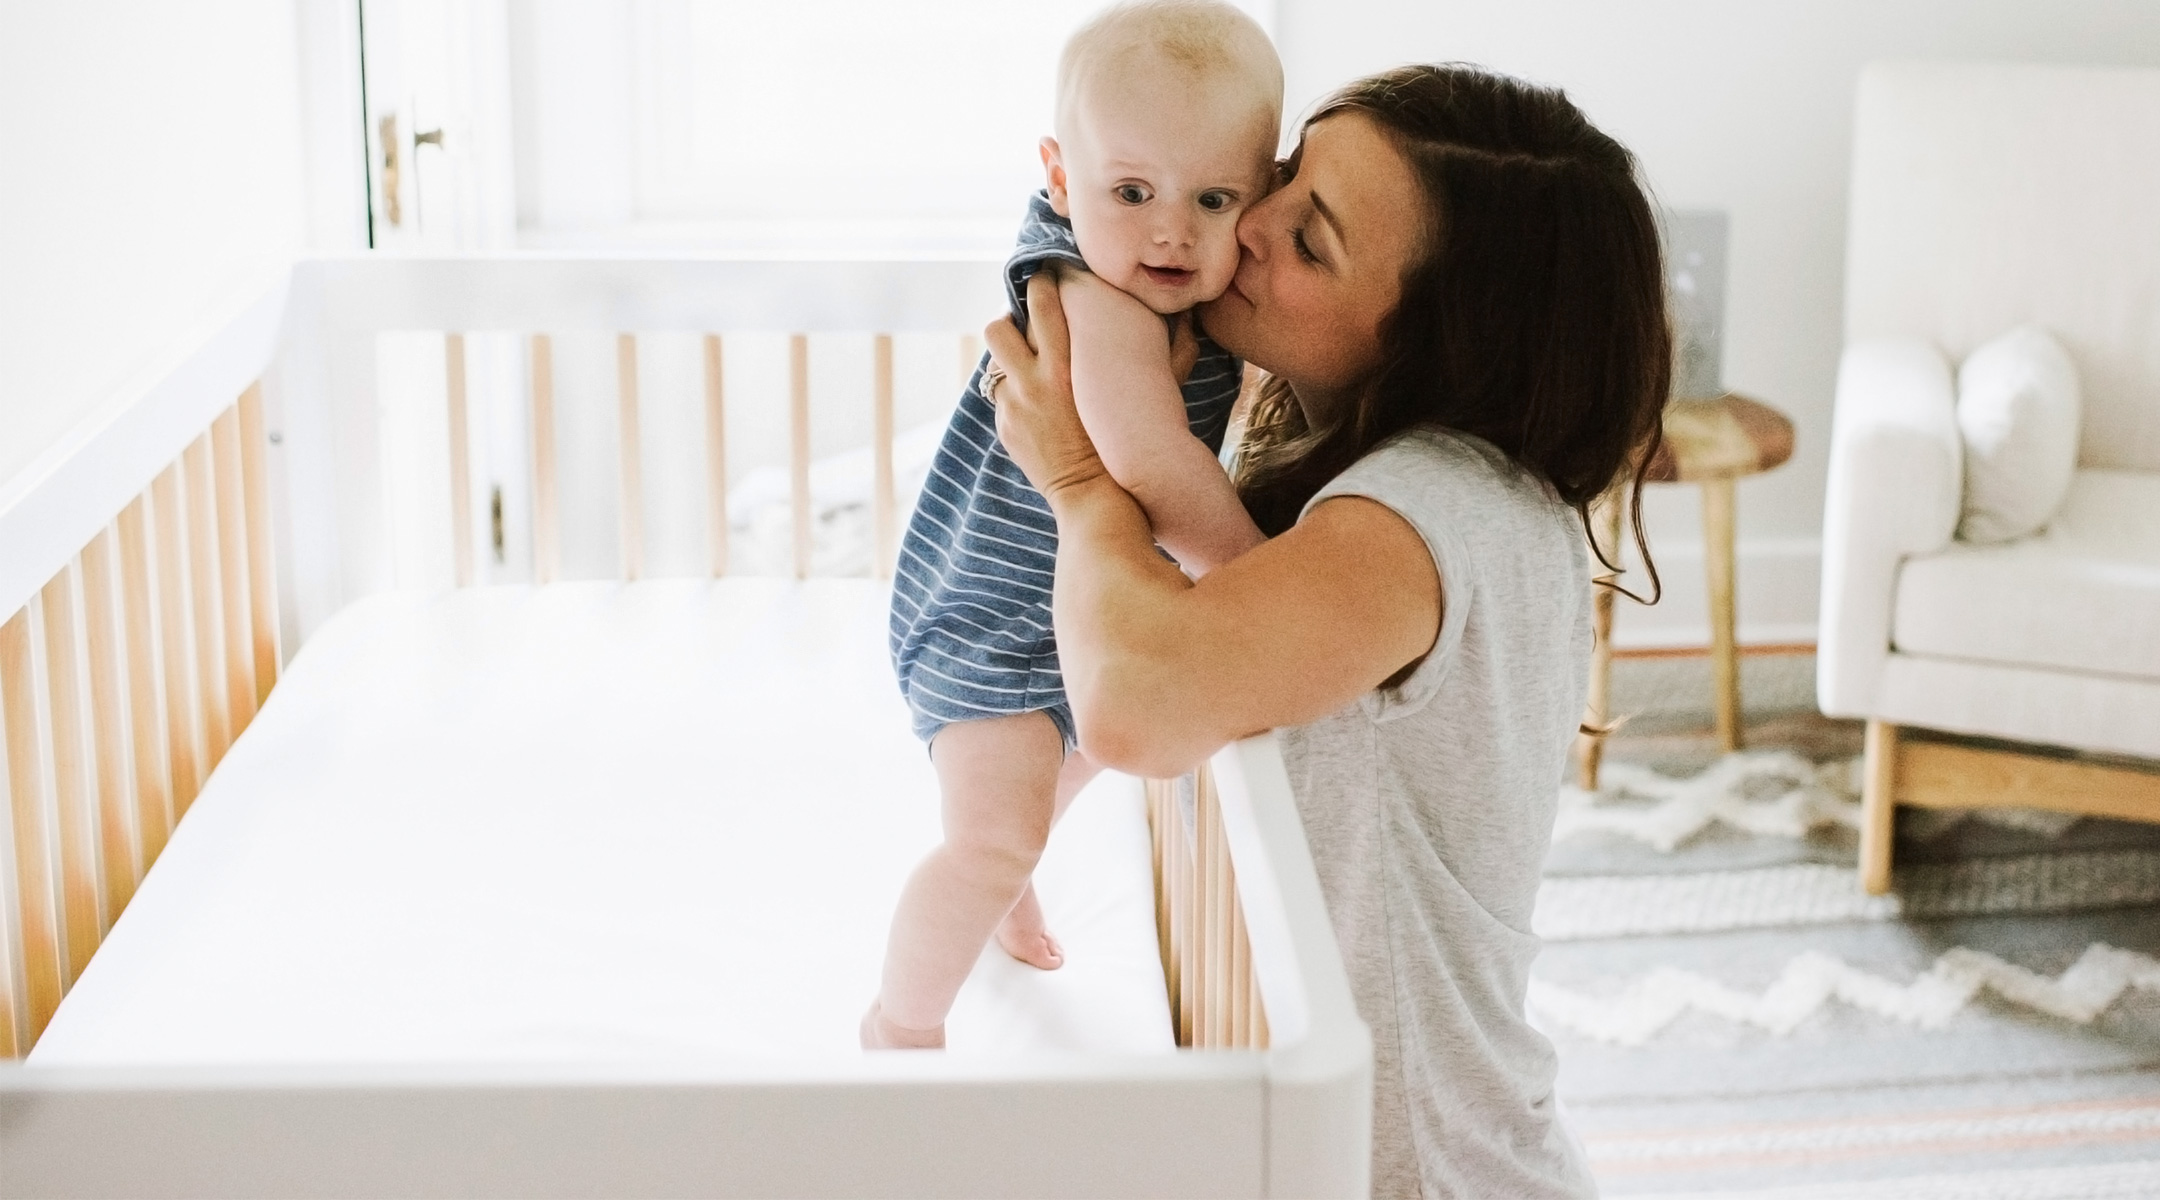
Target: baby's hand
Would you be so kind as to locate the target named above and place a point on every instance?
(1121, 325)
(1184, 347)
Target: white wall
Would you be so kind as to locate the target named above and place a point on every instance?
(152, 168)
(1745, 107)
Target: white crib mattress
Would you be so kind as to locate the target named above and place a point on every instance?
(587, 822)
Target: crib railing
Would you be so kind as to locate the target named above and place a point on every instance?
(336, 433)
(124, 678)
(126, 673)
(155, 568)
(630, 492)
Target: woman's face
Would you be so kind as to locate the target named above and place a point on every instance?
(1323, 260)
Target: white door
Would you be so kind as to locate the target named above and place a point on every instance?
(436, 80)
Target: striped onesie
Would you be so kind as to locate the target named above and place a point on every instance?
(971, 633)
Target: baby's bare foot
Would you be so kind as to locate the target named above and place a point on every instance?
(1023, 935)
(881, 1034)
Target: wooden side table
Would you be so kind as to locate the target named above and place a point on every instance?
(1709, 443)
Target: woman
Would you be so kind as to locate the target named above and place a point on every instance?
(1458, 297)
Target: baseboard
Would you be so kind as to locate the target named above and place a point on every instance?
(1747, 650)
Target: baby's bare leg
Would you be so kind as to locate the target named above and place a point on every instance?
(1022, 933)
(999, 778)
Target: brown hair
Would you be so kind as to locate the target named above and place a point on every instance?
(1536, 319)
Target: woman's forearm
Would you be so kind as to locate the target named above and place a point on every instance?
(1162, 670)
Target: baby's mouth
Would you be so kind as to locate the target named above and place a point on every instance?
(1168, 276)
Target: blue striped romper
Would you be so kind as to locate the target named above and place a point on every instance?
(970, 632)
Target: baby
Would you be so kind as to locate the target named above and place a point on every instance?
(1167, 117)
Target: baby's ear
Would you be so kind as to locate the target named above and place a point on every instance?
(1054, 176)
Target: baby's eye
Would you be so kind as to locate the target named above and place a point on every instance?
(1216, 201)
(1132, 193)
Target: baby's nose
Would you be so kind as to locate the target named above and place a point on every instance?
(1176, 231)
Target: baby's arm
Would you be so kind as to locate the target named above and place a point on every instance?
(1133, 410)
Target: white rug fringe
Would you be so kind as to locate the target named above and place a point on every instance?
(2097, 1181)
(1768, 793)
(1812, 979)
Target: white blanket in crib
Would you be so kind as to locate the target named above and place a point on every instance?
(589, 822)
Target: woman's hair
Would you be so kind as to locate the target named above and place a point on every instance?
(1535, 320)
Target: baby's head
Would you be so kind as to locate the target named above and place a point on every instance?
(1167, 117)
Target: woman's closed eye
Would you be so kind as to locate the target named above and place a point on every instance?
(1303, 247)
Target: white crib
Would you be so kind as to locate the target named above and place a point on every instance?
(297, 1001)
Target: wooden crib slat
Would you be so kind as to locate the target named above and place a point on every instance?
(629, 458)
(799, 447)
(82, 899)
(119, 840)
(236, 632)
(1239, 979)
(461, 520)
(1224, 906)
(185, 740)
(1158, 836)
(1174, 946)
(199, 473)
(36, 871)
(1214, 996)
(1206, 853)
(14, 987)
(716, 518)
(970, 357)
(882, 500)
(1181, 913)
(148, 736)
(262, 568)
(547, 538)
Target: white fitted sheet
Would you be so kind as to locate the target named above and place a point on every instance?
(587, 822)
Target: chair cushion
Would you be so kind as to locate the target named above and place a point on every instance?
(2083, 596)
(2017, 414)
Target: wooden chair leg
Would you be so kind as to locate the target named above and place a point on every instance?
(1590, 748)
(1717, 513)
(1878, 806)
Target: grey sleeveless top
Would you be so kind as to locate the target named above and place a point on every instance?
(1429, 807)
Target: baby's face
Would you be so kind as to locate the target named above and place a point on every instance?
(1153, 175)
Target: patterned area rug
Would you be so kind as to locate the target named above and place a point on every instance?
(1734, 1017)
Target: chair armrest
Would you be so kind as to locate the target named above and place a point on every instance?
(1896, 480)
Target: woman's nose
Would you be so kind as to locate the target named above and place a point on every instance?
(1252, 230)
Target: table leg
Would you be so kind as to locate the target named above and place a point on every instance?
(1717, 521)
(1590, 748)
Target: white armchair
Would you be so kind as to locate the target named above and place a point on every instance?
(1984, 198)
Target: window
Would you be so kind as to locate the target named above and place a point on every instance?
(847, 119)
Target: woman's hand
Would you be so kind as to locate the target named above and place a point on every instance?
(1036, 418)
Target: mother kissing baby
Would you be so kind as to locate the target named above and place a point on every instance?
(1456, 291)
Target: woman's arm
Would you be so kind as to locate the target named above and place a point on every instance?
(1161, 670)
(1128, 398)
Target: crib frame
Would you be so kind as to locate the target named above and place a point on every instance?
(157, 567)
